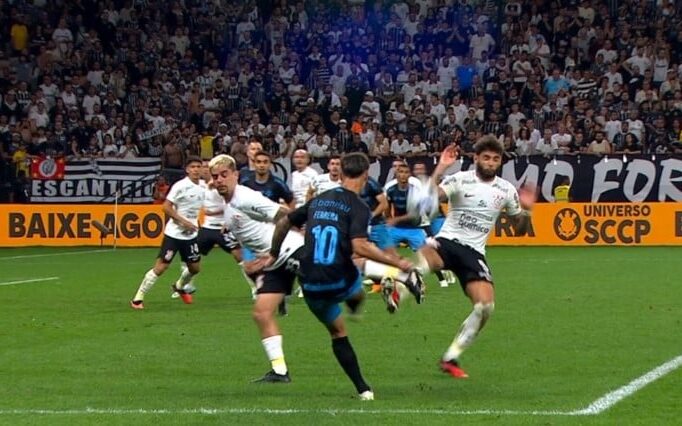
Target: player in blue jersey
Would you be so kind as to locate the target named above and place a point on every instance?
(336, 229)
(263, 181)
(402, 226)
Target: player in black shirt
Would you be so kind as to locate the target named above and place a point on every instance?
(336, 228)
(263, 181)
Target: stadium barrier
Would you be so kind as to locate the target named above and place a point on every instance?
(576, 224)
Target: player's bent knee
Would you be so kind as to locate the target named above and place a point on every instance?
(485, 310)
(194, 268)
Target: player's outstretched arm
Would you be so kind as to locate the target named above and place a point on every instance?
(447, 158)
(363, 248)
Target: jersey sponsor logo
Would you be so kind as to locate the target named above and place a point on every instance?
(469, 221)
(468, 195)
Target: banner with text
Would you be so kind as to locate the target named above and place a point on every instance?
(631, 178)
(99, 180)
(590, 224)
(553, 224)
(80, 225)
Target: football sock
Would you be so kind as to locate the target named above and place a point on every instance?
(349, 362)
(147, 283)
(376, 270)
(468, 331)
(422, 264)
(185, 277)
(439, 275)
(273, 348)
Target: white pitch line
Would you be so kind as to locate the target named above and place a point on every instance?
(612, 398)
(66, 253)
(597, 407)
(266, 411)
(34, 280)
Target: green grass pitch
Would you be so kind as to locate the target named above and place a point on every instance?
(571, 325)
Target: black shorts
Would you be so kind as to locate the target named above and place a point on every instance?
(280, 280)
(188, 249)
(209, 238)
(468, 264)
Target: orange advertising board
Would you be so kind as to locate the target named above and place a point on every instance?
(575, 224)
(75, 225)
(588, 224)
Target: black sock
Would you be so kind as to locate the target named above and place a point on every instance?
(439, 275)
(349, 362)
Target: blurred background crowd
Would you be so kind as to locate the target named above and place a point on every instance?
(168, 79)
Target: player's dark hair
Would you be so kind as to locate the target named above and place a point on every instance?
(193, 159)
(353, 165)
(488, 143)
(334, 157)
(263, 154)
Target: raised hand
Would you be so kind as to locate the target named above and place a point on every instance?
(527, 196)
(448, 157)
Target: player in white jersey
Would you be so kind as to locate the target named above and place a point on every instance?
(302, 177)
(182, 205)
(327, 181)
(250, 216)
(475, 199)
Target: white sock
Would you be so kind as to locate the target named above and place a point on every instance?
(147, 283)
(185, 277)
(468, 331)
(422, 264)
(275, 353)
(378, 271)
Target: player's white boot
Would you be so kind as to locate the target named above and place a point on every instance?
(367, 396)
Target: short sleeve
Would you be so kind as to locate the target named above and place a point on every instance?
(359, 220)
(299, 216)
(175, 193)
(285, 192)
(259, 207)
(450, 185)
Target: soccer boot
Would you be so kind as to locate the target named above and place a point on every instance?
(415, 283)
(137, 304)
(186, 297)
(367, 395)
(272, 377)
(452, 368)
(389, 294)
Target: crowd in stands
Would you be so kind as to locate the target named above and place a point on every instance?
(129, 78)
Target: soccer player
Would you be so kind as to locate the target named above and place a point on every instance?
(475, 200)
(401, 225)
(250, 216)
(335, 229)
(212, 231)
(182, 206)
(264, 182)
(271, 187)
(302, 177)
(327, 181)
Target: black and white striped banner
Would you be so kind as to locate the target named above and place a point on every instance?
(98, 181)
